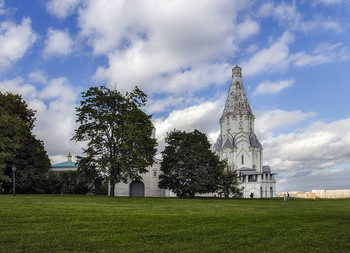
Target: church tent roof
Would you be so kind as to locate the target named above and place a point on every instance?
(254, 142)
(228, 144)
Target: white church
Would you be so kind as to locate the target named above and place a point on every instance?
(237, 143)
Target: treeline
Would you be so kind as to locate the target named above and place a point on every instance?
(119, 148)
(20, 149)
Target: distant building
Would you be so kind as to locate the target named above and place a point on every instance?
(238, 143)
(322, 194)
(69, 165)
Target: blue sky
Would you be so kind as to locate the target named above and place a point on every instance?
(294, 57)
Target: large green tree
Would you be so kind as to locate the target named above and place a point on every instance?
(188, 165)
(19, 147)
(118, 134)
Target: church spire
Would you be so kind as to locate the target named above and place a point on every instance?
(237, 102)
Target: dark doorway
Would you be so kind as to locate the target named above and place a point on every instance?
(137, 189)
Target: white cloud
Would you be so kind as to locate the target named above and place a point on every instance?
(328, 2)
(247, 28)
(265, 10)
(291, 18)
(37, 77)
(17, 86)
(274, 58)
(272, 88)
(62, 8)
(318, 146)
(159, 45)
(323, 53)
(57, 43)
(318, 25)
(317, 179)
(267, 122)
(2, 7)
(277, 57)
(203, 117)
(287, 14)
(15, 40)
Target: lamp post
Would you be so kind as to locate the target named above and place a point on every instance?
(14, 179)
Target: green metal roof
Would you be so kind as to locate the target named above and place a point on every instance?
(65, 165)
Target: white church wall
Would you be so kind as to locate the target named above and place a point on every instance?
(150, 180)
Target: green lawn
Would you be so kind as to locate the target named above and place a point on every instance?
(49, 223)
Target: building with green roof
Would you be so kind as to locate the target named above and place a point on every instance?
(69, 165)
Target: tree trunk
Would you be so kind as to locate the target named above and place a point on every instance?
(112, 188)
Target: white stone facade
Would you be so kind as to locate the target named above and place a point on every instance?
(146, 187)
(238, 143)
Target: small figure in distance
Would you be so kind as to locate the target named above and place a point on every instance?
(251, 195)
(287, 195)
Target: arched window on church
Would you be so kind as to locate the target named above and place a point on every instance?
(242, 159)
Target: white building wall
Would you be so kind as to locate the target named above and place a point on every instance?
(150, 180)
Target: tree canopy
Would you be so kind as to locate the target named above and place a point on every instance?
(188, 165)
(19, 147)
(118, 134)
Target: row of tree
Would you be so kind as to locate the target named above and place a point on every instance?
(20, 149)
(119, 148)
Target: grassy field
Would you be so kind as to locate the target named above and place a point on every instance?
(50, 223)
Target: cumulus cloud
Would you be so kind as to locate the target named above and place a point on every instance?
(203, 117)
(58, 42)
(62, 8)
(268, 122)
(55, 104)
(272, 88)
(2, 7)
(15, 40)
(278, 58)
(333, 180)
(323, 53)
(328, 2)
(160, 45)
(273, 58)
(37, 77)
(247, 28)
(290, 17)
(318, 146)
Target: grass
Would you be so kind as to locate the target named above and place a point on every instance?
(62, 223)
